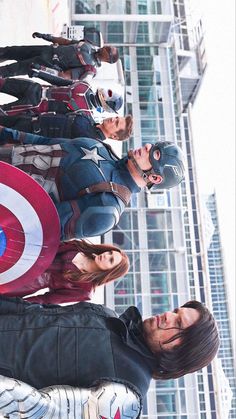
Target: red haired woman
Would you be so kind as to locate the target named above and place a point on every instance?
(78, 268)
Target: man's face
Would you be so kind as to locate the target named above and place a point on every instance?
(141, 156)
(158, 329)
(114, 125)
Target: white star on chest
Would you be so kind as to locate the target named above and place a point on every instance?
(91, 155)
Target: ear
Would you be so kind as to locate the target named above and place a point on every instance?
(156, 179)
(114, 137)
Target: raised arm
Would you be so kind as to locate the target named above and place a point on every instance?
(54, 39)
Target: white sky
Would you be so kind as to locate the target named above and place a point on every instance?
(214, 123)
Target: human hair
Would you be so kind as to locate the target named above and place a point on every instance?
(199, 345)
(112, 51)
(89, 249)
(124, 134)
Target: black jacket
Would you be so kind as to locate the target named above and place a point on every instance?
(78, 345)
(55, 126)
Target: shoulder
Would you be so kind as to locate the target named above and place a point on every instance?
(82, 117)
(125, 399)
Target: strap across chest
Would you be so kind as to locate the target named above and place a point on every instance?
(119, 190)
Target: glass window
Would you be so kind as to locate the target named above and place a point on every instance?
(147, 94)
(155, 220)
(166, 402)
(169, 220)
(159, 283)
(160, 110)
(143, 51)
(172, 261)
(162, 126)
(156, 240)
(148, 110)
(170, 240)
(181, 382)
(156, 7)
(128, 9)
(145, 78)
(160, 303)
(115, 32)
(182, 401)
(126, 62)
(123, 239)
(145, 63)
(134, 258)
(158, 261)
(173, 282)
(125, 222)
(165, 384)
(82, 7)
(124, 301)
(124, 285)
(142, 9)
(148, 124)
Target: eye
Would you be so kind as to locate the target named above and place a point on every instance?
(156, 155)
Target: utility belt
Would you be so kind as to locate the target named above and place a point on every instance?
(36, 128)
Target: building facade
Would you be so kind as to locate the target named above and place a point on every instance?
(221, 308)
(163, 57)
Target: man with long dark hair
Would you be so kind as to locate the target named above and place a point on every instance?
(86, 345)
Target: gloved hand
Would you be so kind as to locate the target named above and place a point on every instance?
(34, 70)
(37, 35)
(45, 36)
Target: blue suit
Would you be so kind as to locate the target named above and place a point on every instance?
(65, 167)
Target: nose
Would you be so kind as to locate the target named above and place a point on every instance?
(148, 147)
(169, 317)
(106, 255)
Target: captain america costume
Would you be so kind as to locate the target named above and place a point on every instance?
(65, 167)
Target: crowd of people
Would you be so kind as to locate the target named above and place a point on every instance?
(83, 357)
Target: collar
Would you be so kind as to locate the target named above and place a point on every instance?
(126, 176)
(130, 326)
(99, 134)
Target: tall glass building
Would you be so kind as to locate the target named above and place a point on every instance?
(220, 302)
(163, 57)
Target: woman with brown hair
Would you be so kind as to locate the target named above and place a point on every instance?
(77, 269)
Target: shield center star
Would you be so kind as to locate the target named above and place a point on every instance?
(92, 155)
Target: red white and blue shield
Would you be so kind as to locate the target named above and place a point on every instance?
(29, 228)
